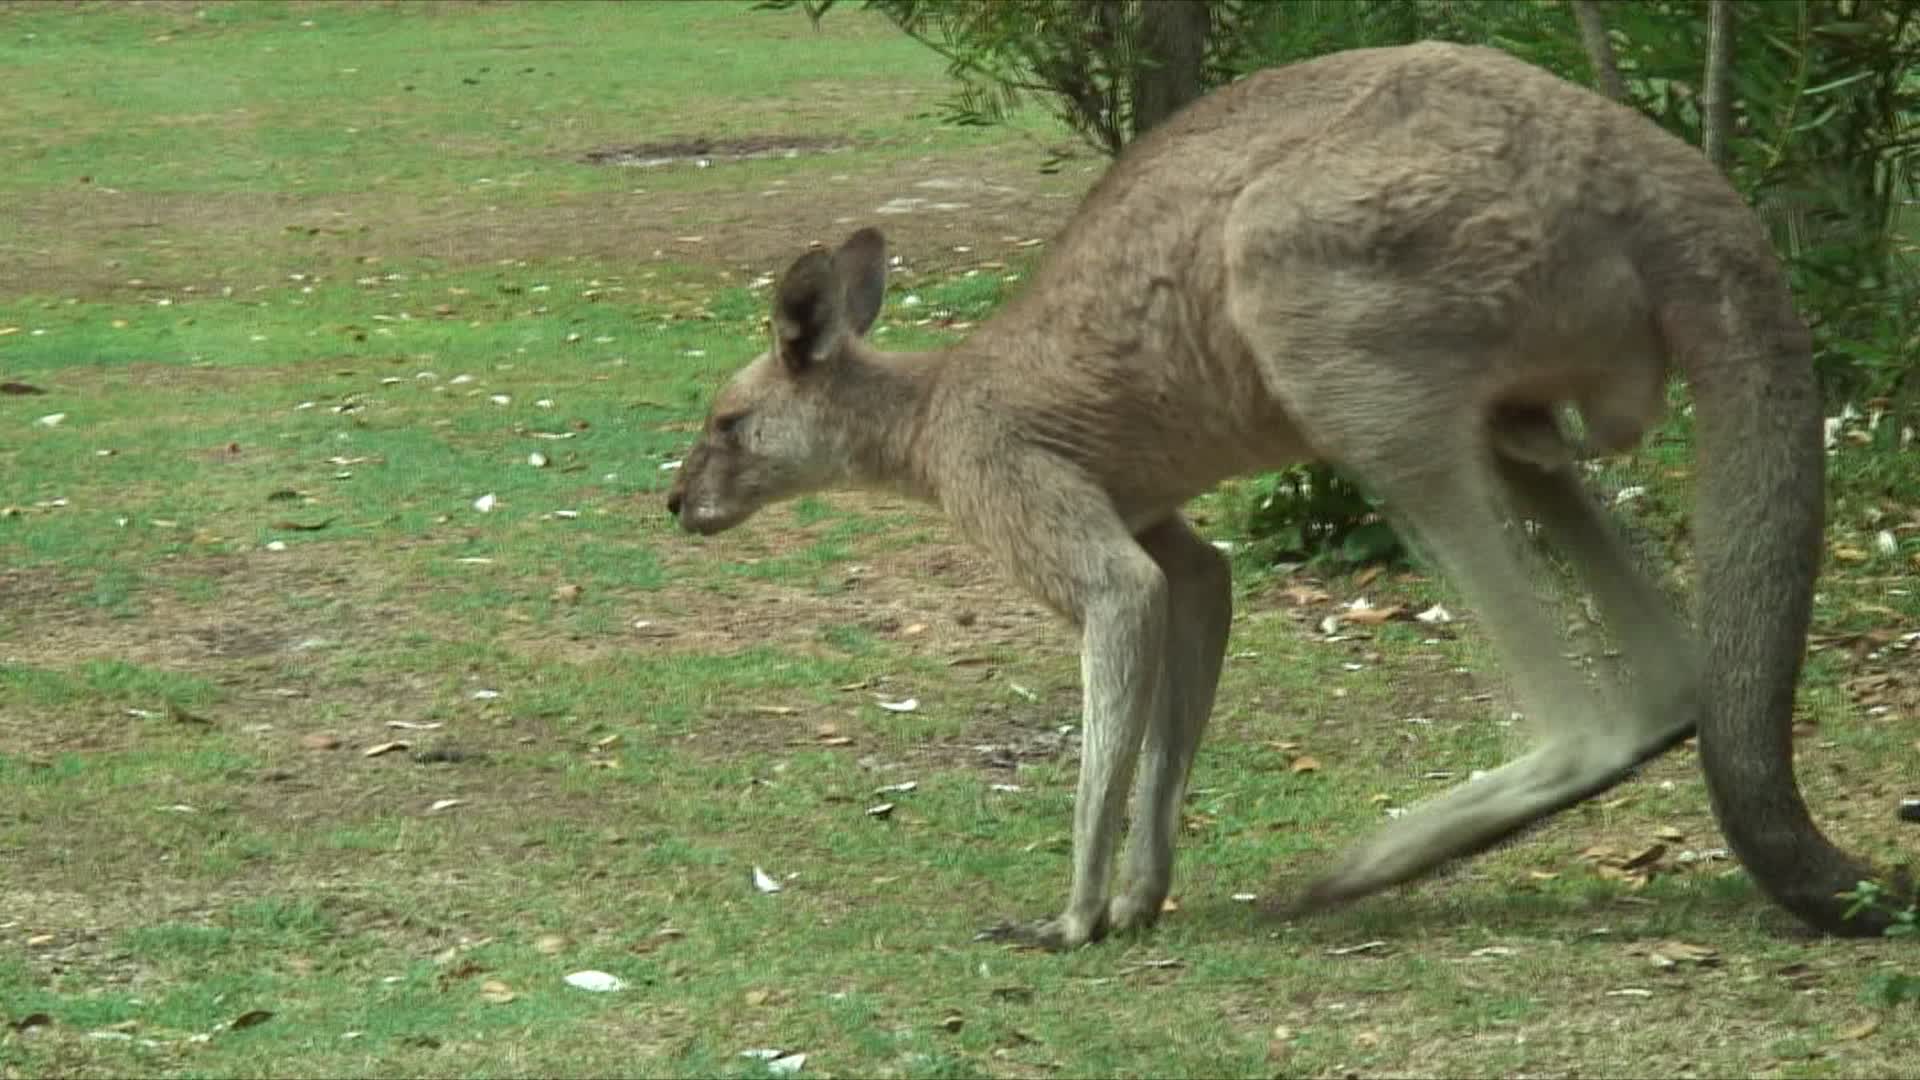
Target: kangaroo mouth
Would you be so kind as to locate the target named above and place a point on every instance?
(708, 522)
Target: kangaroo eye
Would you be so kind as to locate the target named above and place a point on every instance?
(728, 424)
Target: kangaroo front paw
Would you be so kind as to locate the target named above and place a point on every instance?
(1058, 934)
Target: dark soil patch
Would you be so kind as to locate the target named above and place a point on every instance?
(703, 150)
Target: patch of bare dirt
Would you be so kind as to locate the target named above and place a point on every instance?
(702, 151)
(929, 206)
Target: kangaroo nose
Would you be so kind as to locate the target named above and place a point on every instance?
(673, 503)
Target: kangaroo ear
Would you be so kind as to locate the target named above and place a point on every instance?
(861, 266)
(807, 316)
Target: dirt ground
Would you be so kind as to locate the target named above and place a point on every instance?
(940, 210)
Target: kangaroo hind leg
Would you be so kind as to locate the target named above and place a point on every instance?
(1199, 615)
(1429, 454)
(1663, 693)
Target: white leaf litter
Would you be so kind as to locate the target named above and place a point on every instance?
(52, 420)
(444, 804)
(276, 545)
(1435, 615)
(778, 1063)
(1245, 897)
(501, 399)
(1627, 494)
(764, 883)
(900, 788)
(1884, 542)
(486, 503)
(598, 982)
(907, 705)
(537, 459)
(669, 466)
(1006, 789)
(485, 695)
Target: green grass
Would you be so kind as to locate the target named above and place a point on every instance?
(250, 555)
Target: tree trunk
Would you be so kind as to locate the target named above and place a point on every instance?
(1593, 36)
(1716, 91)
(1169, 64)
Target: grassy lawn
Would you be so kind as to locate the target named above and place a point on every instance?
(355, 689)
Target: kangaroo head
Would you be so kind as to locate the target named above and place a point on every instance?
(772, 433)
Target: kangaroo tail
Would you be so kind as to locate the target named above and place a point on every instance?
(1758, 533)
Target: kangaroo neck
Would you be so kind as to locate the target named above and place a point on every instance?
(885, 401)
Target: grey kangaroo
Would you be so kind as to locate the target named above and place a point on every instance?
(1409, 262)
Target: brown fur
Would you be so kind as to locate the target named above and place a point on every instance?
(1403, 261)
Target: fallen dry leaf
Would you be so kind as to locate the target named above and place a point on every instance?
(1669, 955)
(567, 594)
(306, 526)
(496, 992)
(1305, 763)
(250, 1018)
(1646, 856)
(1305, 595)
(320, 740)
(1372, 616)
(549, 944)
(1862, 1029)
(386, 748)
